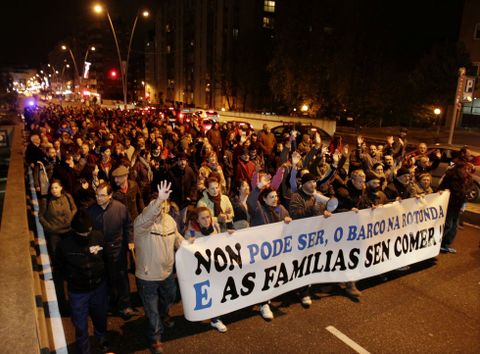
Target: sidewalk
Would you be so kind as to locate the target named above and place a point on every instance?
(472, 214)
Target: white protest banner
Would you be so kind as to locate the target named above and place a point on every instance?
(223, 273)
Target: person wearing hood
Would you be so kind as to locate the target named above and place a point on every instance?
(80, 258)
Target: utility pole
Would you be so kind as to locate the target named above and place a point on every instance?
(457, 104)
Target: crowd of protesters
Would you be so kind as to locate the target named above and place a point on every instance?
(113, 184)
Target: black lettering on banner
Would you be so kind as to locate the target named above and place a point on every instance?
(268, 277)
(230, 290)
(248, 284)
(298, 268)
(206, 263)
(282, 276)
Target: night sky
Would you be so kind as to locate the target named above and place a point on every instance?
(30, 29)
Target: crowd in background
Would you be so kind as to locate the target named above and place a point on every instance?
(114, 183)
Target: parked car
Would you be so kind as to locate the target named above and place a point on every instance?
(242, 125)
(207, 124)
(449, 153)
(186, 116)
(301, 128)
(208, 114)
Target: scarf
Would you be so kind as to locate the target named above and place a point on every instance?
(217, 209)
(206, 230)
(272, 214)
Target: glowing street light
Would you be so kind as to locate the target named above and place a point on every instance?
(123, 65)
(304, 108)
(437, 111)
(64, 47)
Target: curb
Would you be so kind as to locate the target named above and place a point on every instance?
(471, 217)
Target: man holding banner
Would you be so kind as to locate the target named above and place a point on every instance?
(307, 202)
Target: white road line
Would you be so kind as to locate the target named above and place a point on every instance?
(346, 340)
(55, 318)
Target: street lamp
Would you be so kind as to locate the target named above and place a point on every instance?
(64, 47)
(123, 64)
(91, 48)
(437, 111)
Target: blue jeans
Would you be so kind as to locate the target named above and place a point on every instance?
(81, 304)
(450, 228)
(156, 294)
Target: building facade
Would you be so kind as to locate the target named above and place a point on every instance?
(213, 53)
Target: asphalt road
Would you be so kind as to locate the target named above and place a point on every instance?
(432, 308)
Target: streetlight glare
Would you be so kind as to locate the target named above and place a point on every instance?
(145, 13)
(437, 111)
(98, 9)
(92, 48)
(64, 47)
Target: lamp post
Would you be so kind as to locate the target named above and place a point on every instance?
(90, 48)
(437, 111)
(64, 47)
(123, 65)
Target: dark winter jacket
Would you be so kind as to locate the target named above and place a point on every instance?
(80, 259)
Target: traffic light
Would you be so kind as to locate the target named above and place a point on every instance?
(113, 74)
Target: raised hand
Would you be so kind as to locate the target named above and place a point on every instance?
(360, 140)
(163, 190)
(390, 140)
(264, 181)
(296, 157)
(318, 139)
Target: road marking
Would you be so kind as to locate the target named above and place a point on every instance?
(346, 340)
(55, 318)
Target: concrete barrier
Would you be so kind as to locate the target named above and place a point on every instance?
(257, 120)
(18, 323)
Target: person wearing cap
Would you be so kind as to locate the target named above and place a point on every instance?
(127, 191)
(373, 195)
(350, 197)
(400, 187)
(80, 257)
(304, 203)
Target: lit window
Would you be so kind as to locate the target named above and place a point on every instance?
(476, 34)
(268, 22)
(269, 6)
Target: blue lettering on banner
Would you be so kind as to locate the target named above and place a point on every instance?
(202, 299)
